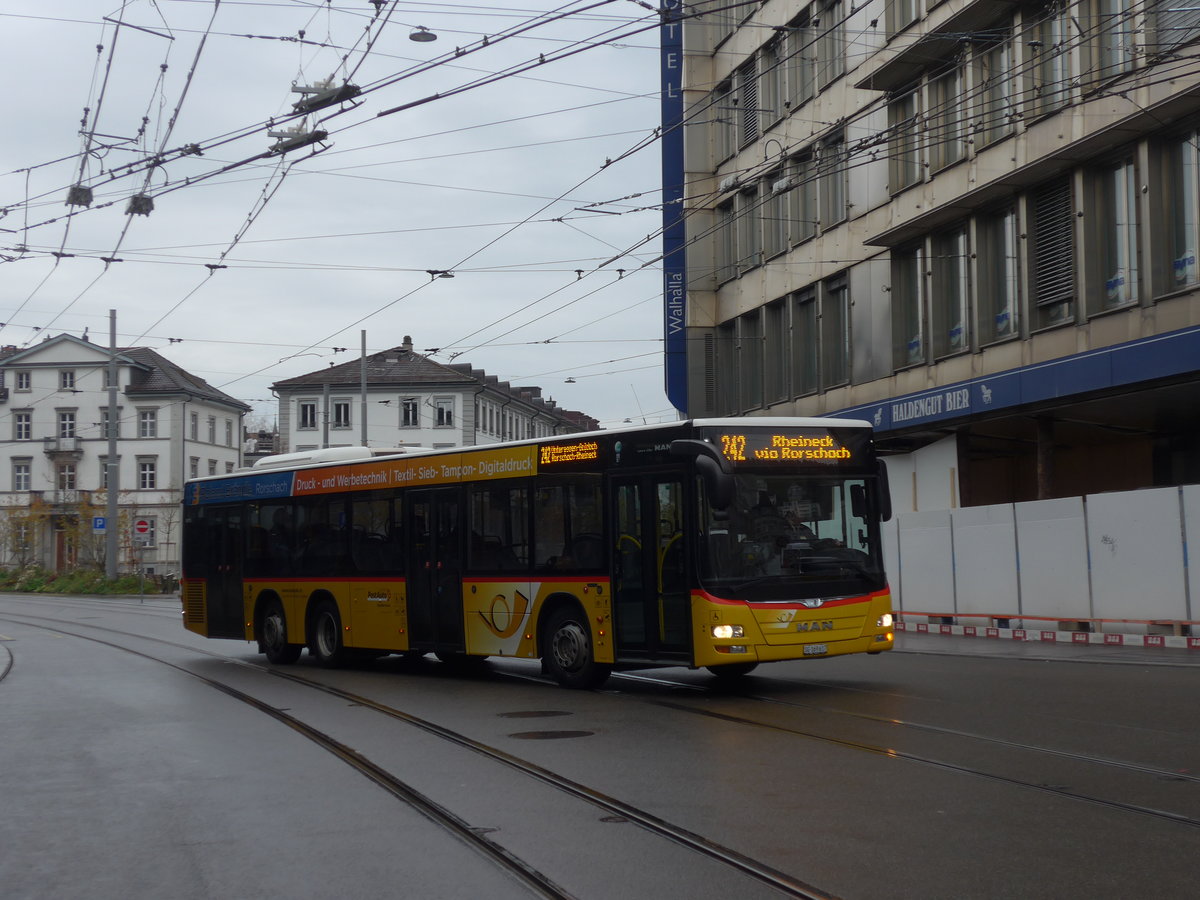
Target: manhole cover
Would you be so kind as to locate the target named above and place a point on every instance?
(534, 714)
(549, 735)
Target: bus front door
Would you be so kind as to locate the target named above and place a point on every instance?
(435, 610)
(650, 585)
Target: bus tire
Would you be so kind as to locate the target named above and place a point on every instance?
(732, 671)
(325, 635)
(272, 636)
(567, 653)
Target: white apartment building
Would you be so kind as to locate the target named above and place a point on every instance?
(399, 397)
(973, 223)
(54, 403)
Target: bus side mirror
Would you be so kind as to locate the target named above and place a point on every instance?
(712, 468)
(858, 501)
(885, 492)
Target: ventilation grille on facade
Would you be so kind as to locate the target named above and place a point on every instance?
(710, 373)
(194, 593)
(1054, 243)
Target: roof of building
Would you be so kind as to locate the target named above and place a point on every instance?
(402, 367)
(151, 372)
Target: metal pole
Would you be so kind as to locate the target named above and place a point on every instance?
(113, 464)
(363, 412)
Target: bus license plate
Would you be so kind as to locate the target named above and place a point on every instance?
(815, 649)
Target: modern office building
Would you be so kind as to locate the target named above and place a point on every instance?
(973, 223)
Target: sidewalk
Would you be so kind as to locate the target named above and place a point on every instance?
(1051, 645)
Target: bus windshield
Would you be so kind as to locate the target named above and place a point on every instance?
(788, 537)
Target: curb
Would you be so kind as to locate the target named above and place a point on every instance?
(1055, 637)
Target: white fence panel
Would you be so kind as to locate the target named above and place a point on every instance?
(891, 558)
(927, 572)
(1191, 520)
(1052, 542)
(985, 559)
(1134, 538)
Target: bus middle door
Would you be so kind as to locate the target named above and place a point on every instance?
(651, 596)
(435, 605)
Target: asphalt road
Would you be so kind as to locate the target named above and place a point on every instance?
(137, 760)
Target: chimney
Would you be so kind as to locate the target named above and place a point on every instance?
(407, 345)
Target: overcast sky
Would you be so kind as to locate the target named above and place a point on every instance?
(248, 271)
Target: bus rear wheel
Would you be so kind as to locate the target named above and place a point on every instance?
(567, 653)
(325, 636)
(272, 636)
(733, 671)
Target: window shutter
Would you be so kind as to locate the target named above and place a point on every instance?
(1054, 243)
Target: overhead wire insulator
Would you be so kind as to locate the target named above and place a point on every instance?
(140, 205)
(79, 195)
(291, 138)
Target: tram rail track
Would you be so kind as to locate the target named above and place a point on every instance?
(538, 883)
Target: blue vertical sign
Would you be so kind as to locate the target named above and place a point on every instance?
(674, 233)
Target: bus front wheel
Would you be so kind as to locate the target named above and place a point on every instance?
(325, 630)
(272, 636)
(567, 654)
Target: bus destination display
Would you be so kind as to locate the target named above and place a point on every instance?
(784, 447)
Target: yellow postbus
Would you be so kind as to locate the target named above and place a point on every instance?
(716, 543)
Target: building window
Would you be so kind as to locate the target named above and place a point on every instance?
(831, 42)
(1181, 200)
(307, 414)
(24, 381)
(726, 242)
(994, 75)
(66, 423)
(832, 180)
(147, 423)
(193, 467)
(908, 316)
(228, 432)
(22, 426)
(904, 162)
(212, 429)
(1117, 37)
(1116, 199)
(750, 360)
(775, 352)
(726, 367)
(66, 380)
(998, 283)
(770, 84)
(835, 333)
(341, 413)
(22, 476)
(899, 14)
(1053, 254)
(805, 346)
(410, 413)
(1049, 40)
(801, 57)
(947, 142)
(949, 293)
(775, 213)
(444, 412)
(212, 467)
(1174, 25)
(723, 115)
(228, 467)
(749, 237)
(194, 426)
(147, 474)
(745, 99)
(65, 476)
(802, 199)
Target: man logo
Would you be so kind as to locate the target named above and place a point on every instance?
(815, 626)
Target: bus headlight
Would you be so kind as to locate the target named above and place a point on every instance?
(728, 631)
(884, 621)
